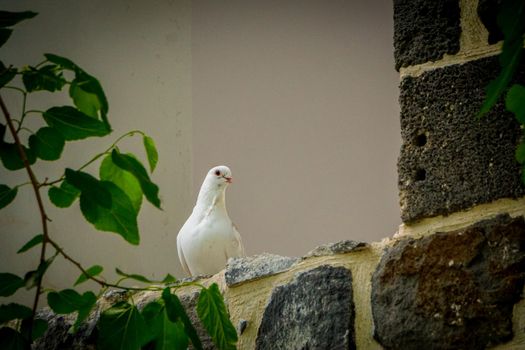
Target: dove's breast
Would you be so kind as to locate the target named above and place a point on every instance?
(209, 243)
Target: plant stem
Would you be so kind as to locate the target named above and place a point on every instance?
(24, 101)
(43, 216)
(107, 151)
(95, 279)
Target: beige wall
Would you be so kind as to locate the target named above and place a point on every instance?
(298, 97)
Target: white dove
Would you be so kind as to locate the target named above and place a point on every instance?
(209, 238)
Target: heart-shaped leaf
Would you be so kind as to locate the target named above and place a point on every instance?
(7, 195)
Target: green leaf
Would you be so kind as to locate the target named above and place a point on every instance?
(8, 19)
(9, 284)
(63, 62)
(86, 102)
(32, 242)
(13, 311)
(11, 158)
(129, 163)
(91, 188)
(73, 124)
(12, 340)
(520, 153)
(6, 74)
(31, 278)
(68, 301)
(122, 327)
(90, 299)
(497, 86)
(5, 34)
(38, 329)
(88, 84)
(515, 102)
(7, 195)
(134, 276)
(167, 335)
(47, 143)
(48, 78)
(64, 195)
(121, 218)
(94, 270)
(511, 20)
(215, 318)
(175, 312)
(123, 179)
(169, 279)
(151, 152)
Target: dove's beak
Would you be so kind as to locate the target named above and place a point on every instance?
(228, 179)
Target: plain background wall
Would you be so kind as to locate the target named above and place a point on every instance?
(298, 97)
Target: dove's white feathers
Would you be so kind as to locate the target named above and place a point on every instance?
(208, 238)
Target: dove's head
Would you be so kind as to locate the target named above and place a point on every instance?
(219, 176)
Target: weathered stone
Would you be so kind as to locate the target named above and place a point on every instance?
(190, 304)
(451, 160)
(425, 30)
(341, 247)
(314, 311)
(240, 270)
(58, 336)
(451, 290)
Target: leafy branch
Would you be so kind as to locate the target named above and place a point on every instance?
(511, 21)
(110, 202)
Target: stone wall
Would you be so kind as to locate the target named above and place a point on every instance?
(452, 277)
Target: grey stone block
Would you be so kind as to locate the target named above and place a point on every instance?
(58, 335)
(450, 160)
(341, 247)
(240, 270)
(315, 311)
(451, 290)
(488, 13)
(425, 30)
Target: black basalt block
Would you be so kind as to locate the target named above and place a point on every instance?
(451, 160)
(425, 30)
(451, 290)
(314, 311)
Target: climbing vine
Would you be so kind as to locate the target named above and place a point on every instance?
(109, 202)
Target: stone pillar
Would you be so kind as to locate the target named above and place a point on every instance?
(455, 275)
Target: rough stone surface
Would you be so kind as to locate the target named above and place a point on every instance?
(488, 13)
(190, 304)
(315, 311)
(425, 30)
(451, 290)
(341, 247)
(58, 336)
(450, 160)
(240, 270)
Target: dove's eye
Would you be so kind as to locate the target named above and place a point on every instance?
(218, 172)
